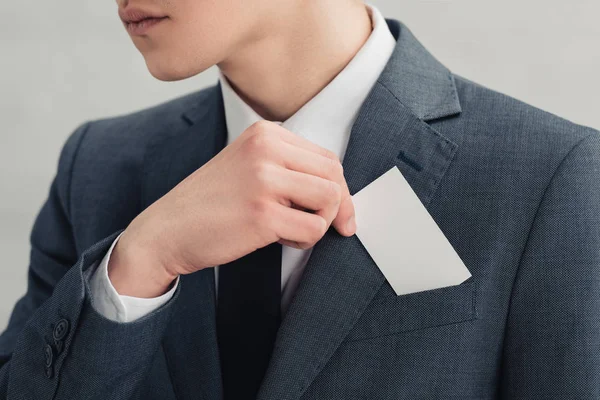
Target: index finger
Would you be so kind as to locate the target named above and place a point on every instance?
(344, 221)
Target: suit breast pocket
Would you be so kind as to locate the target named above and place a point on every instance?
(390, 314)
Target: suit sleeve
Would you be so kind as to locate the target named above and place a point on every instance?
(56, 346)
(552, 343)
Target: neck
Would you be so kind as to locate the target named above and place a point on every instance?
(297, 55)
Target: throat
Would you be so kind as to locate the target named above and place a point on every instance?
(280, 72)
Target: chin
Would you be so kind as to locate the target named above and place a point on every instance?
(169, 71)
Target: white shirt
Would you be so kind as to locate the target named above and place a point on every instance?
(325, 120)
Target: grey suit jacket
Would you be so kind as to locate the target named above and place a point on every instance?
(514, 189)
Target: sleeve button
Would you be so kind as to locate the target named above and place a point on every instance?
(49, 372)
(60, 330)
(49, 355)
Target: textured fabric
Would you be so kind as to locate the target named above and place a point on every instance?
(515, 190)
(248, 317)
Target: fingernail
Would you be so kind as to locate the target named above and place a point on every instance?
(351, 225)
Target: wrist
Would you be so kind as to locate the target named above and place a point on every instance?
(134, 272)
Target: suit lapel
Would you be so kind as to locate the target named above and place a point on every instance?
(340, 278)
(182, 149)
(190, 343)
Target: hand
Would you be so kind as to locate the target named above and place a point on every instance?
(269, 185)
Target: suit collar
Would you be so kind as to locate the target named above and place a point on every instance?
(340, 279)
(417, 79)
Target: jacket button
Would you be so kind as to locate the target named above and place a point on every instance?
(49, 372)
(49, 355)
(61, 330)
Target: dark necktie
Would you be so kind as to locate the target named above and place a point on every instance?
(248, 316)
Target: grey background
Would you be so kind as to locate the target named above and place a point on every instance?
(64, 63)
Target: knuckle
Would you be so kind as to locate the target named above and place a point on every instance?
(304, 245)
(316, 231)
(262, 174)
(259, 209)
(340, 168)
(261, 127)
(255, 142)
(331, 155)
(333, 192)
(260, 138)
(335, 167)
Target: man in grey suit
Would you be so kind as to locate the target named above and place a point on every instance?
(193, 250)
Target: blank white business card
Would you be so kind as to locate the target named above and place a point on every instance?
(403, 239)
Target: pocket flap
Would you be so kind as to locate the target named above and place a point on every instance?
(389, 314)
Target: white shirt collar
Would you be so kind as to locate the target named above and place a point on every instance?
(327, 118)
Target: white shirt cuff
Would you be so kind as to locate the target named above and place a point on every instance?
(110, 304)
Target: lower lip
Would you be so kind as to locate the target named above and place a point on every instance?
(142, 27)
